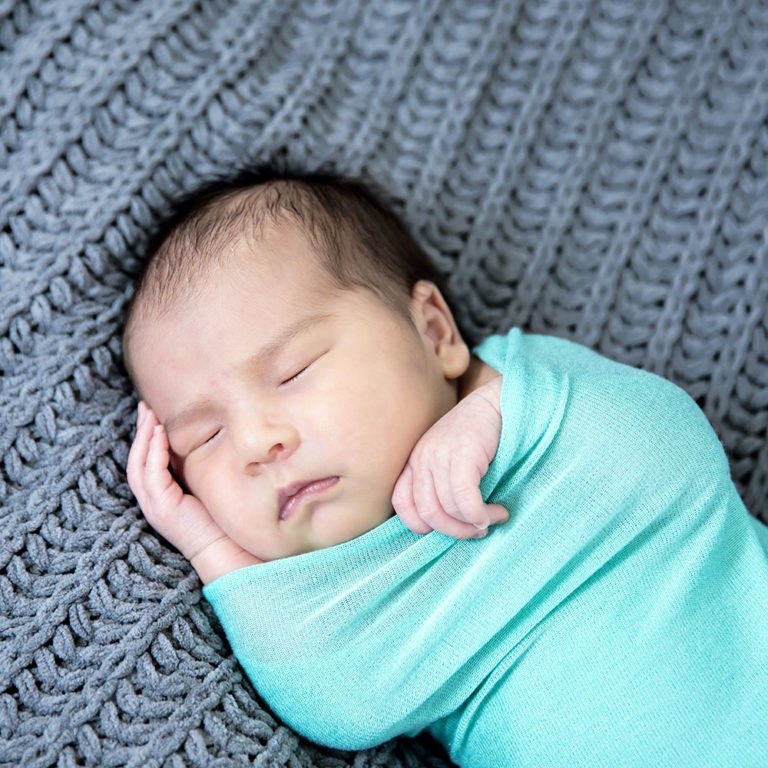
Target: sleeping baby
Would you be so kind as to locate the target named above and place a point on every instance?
(533, 553)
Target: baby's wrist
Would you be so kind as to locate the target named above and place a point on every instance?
(491, 392)
(478, 374)
(219, 558)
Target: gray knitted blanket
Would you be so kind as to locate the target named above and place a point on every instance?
(594, 170)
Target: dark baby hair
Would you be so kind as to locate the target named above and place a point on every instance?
(360, 241)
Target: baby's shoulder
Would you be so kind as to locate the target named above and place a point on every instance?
(606, 408)
(641, 422)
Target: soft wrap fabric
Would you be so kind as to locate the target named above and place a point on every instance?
(620, 617)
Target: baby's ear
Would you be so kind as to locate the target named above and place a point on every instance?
(435, 323)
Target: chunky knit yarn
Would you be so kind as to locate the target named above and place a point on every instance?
(592, 170)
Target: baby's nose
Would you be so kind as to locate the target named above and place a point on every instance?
(265, 444)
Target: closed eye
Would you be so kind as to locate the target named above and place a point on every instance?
(206, 440)
(300, 372)
(295, 376)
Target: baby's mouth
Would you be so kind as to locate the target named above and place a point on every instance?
(291, 496)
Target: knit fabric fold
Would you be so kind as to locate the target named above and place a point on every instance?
(618, 618)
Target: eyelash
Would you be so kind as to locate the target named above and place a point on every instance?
(300, 373)
(205, 442)
(296, 375)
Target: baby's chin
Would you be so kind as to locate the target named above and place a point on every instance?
(327, 530)
(337, 530)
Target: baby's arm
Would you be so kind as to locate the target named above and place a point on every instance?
(439, 489)
(176, 515)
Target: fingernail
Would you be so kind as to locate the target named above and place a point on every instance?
(481, 534)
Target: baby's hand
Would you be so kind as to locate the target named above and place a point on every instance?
(439, 489)
(176, 515)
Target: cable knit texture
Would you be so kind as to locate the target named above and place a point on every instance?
(592, 170)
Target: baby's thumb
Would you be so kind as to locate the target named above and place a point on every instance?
(497, 513)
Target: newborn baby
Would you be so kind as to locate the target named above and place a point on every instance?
(303, 379)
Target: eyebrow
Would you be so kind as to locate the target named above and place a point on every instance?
(271, 348)
(257, 361)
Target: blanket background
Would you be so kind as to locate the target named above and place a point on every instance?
(593, 170)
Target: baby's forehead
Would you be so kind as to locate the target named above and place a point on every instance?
(231, 234)
(246, 254)
(267, 264)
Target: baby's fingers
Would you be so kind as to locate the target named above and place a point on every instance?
(459, 493)
(404, 504)
(433, 513)
(148, 473)
(137, 456)
(161, 488)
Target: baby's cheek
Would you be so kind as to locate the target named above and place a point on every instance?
(406, 428)
(200, 482)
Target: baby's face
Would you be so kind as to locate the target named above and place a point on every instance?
(290, 406)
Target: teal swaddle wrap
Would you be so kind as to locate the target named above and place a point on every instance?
(620, 617)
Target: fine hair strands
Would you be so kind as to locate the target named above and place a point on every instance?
(358, 238)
